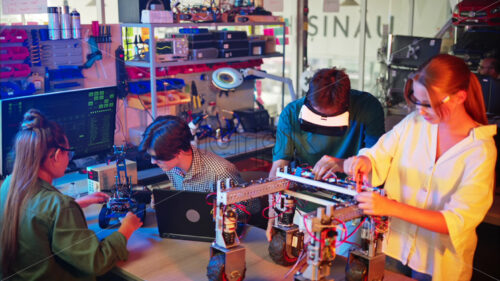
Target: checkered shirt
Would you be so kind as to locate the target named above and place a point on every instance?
(207, 168)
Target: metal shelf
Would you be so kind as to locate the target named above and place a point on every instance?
(152, 64)
(209, 61)
(201, 24)
(13, 79)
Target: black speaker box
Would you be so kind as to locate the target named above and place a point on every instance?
(253, 120)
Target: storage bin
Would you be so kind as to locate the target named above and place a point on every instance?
(14, 89)
(6, 71)
(18, 52)
(5, 36)
(137, 72)
(18, 35)
(21, 70)
(4, 54)
(139, 87)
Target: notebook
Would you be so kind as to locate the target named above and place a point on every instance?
(184, 215)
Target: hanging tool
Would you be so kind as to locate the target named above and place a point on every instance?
(95, 55)
(107, 38)
(196, 100)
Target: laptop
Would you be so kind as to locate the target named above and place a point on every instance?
(184, 215)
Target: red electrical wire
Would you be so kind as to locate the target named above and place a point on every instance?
(343, 225)
(349, 236)
(208, 196)
(268, 207)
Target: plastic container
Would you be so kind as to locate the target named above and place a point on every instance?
(18, 35)
(6, 71)
(139, 87)
(18, 53)
(161, 71)
(170, 84)
(21, 70)
(5, 36)
(5, 54)
(253, 164)
(14, 89)
(64, 73)
(137, 72)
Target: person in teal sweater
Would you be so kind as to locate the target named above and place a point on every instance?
(331, 121)
(44, 234)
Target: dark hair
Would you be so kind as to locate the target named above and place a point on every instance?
(329, 88)
(495, 63)
(450, 74)
(32, 145)
(167, 136)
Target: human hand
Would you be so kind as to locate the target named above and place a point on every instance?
(358, 167)
(326, 166)
(93, 198)
(375, 204)
(129, 224)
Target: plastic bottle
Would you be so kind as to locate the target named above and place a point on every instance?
(75, 23)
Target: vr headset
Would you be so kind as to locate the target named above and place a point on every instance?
(319, 123)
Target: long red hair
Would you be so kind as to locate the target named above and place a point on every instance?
(449, 74)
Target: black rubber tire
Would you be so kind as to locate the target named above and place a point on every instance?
(215, 267)
(104, 217)
(277, 250)
(356, 270)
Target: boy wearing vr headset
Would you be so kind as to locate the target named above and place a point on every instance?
(332, 120)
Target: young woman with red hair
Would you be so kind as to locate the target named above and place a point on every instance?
(437, 165)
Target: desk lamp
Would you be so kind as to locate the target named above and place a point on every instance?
(228, 79)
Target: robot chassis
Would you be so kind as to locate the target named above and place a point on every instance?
(227, 260)
(124, 198)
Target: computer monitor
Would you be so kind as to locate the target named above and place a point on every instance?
(411, 51)
(491, 94)
(87, 117)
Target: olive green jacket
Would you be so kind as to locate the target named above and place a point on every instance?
(54, 242)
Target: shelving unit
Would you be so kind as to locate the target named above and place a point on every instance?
(153, 64)
(193, 62)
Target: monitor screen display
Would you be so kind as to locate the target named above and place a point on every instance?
(87, 117)
(411, 51)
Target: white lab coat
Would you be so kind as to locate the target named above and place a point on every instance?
(459, 185)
